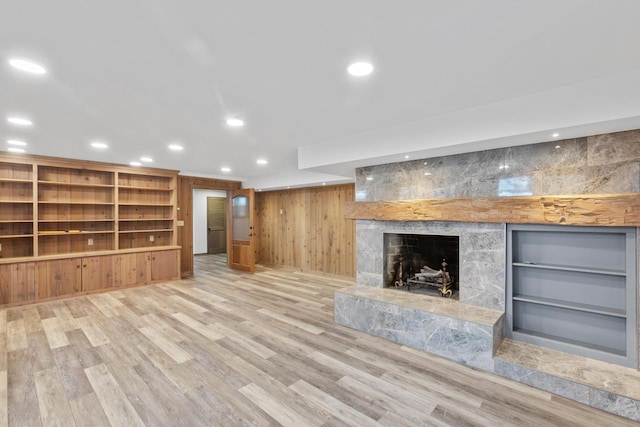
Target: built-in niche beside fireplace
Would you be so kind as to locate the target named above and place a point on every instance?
(574, 289)
(422, 263)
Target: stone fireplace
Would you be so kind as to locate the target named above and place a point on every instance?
(472, 329)
(480, 266)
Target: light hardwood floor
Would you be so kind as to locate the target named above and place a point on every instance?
(229, 348)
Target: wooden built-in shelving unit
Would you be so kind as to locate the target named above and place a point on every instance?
(56, 213)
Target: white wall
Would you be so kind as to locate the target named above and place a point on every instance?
(200, 218)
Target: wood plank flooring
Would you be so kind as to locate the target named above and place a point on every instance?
(233, 349)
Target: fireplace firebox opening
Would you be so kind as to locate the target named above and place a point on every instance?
(422, 263)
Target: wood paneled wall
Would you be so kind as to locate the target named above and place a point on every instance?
(306, 229)
(186, 185)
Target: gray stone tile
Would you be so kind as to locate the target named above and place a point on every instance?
(619, 405)
(543, 381)
(543, 168)
(462, 341)
(482, 261)
(613, 148)
(623, 178)
(524, 159)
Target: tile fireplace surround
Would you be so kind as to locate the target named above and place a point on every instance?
(471, 330)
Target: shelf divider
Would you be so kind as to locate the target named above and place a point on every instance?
(571, 305)
(570, 268)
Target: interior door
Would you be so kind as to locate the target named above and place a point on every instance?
(241, 254)
(216, 225)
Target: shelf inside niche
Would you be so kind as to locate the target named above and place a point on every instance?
(14, 236)
(610, 272)
(588, 308)
(576, 343)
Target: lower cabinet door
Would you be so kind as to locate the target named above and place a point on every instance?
(130, 269)
(17, 282)
(58, 277)
(164, 265)
(97, 272)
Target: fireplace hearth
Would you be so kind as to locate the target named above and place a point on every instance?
(422, 263)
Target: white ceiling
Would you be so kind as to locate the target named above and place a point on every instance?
(450, 76)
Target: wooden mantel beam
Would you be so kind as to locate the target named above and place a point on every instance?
(592, 209)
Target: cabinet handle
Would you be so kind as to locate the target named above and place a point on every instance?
(78, 266)
(84, 265)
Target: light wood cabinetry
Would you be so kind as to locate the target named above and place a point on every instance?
(146, 210)
(75, 210)
(17, 282)
(163, 266)
(16, 210)
(97, 272)
(58, 277)
(130, 269)
(82, 227)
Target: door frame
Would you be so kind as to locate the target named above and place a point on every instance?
(186, 185)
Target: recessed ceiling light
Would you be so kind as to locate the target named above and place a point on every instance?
(15, 150)
(360, 69)
(225, 169)
(135, 164)
(557, 146)
(16, 142)
(27, 66)
(175, 147)
(427, 173)
(406, 156)
(369, 178)
(146, 159)
(98, 144)
(324, 183)
(261, 162)
(20, 121)
(555, 135)
(234, 122)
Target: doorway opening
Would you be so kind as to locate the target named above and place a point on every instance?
(216, 225)
(209, 222)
